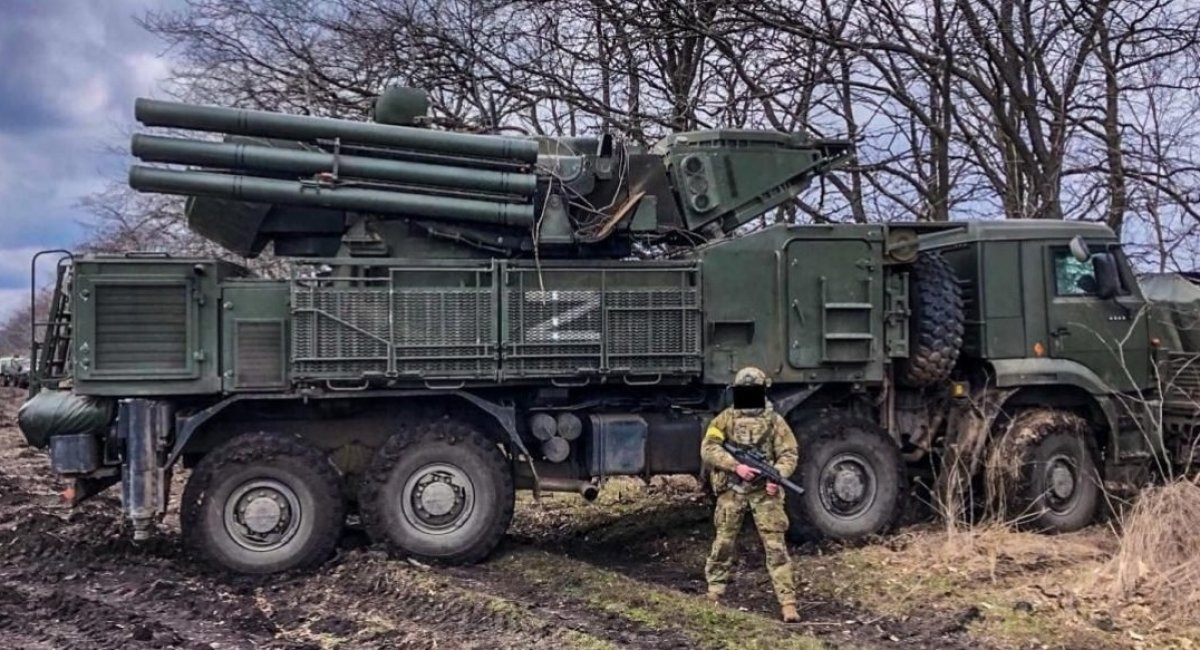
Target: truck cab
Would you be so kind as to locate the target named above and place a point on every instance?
(1034, 307)
(1055, 318)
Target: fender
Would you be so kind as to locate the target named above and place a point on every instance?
(187, 426)
(788, 398)
(1013, 373)
(1021, 373)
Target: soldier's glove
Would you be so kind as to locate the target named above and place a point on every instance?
(772, 489)
(746, 472)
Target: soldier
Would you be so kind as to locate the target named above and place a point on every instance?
(750, 422)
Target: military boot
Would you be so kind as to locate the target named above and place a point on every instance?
(789, 614)
(716, 593)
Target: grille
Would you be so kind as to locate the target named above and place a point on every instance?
(554, 332)
(259, 362)
(622, 331)
(340, 332)
(350, 332)
(1182, 379)
(654, 331)
(444, 333)
(141, 328)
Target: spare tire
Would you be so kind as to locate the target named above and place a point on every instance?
(936, 324)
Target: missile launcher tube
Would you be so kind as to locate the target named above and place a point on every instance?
(234, 121)
(284, 192)
(275, 159)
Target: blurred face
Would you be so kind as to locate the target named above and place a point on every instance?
(749, 397)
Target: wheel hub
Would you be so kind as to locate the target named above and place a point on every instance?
(262, 515)
(1061, 480)
(847, 485)
(438, 498)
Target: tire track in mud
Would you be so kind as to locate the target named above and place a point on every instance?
(72, 578)
(547, 601)
(383, 602)
(79, 588)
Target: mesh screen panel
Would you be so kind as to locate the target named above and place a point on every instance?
(346, 332)
(349, 332)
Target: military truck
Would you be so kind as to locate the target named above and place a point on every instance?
(14, 371)
(470, 314)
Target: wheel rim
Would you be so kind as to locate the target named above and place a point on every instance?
(1062, 483)
(262, 515)
(438, 499)
(847, 486)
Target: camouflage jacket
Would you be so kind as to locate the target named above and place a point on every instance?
(763, 429)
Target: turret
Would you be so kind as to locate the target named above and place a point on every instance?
(321, 187)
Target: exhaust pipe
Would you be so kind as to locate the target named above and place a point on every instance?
(586, 489)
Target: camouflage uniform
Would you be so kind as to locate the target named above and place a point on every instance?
(767, 431)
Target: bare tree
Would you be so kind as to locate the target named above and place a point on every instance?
(980, 108)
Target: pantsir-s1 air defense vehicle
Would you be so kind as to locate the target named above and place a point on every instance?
(471, 314)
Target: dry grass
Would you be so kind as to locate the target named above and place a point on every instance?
(1013, 589)
(996, 549)
(1158, 560)
(1136, 586)
(967, 561)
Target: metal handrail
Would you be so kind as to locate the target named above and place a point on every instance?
(35, 374)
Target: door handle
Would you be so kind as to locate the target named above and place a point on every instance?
(799, 313)
(1060, 332)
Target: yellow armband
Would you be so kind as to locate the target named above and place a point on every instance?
(715, 434)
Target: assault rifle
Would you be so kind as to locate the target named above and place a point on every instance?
(755, 459)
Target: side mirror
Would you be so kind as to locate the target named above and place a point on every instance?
(1079, 249)
(1108, 278)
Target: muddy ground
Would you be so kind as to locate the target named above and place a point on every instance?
(627, 573)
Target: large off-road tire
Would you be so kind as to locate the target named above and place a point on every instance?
(853, 478)
(1042, 470)
(440, 491)
(263, 503)
(936, 324)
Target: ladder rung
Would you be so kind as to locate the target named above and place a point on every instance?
(849, 305)
(849, 337)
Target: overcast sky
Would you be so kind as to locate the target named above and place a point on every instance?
(69, 72)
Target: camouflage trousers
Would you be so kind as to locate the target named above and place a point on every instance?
(771, 521)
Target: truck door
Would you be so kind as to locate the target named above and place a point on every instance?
(1109, 336)
(834, 300)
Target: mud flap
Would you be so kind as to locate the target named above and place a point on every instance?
(83, 489)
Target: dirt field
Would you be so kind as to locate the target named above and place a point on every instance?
(626, 573)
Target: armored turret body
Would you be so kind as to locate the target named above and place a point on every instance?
(467, 314)
(318, 187)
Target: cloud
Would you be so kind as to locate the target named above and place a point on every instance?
(14, 267)
(11, 300)
(72, 69)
